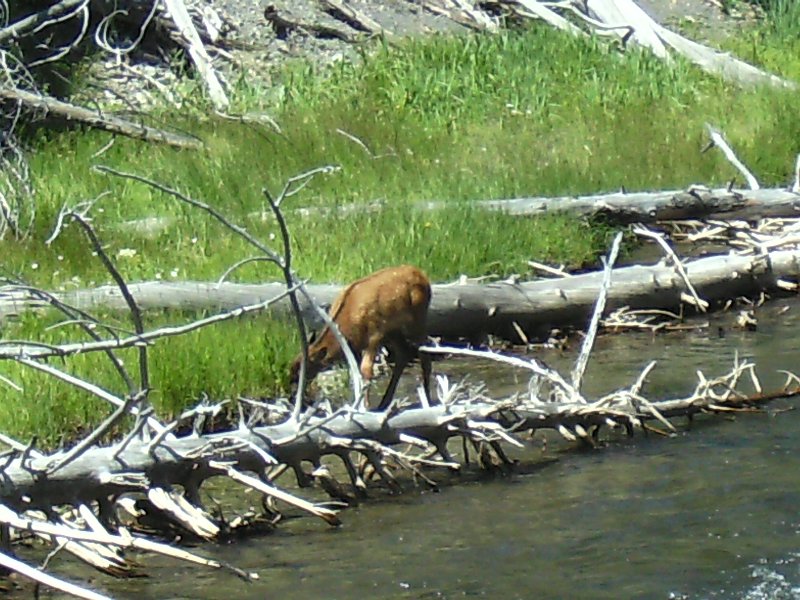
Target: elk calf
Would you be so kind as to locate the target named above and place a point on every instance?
(388, 308)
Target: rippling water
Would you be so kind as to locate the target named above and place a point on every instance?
(710, 513)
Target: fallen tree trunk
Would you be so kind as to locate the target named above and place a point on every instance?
(618, 207)
(474, 310)
(627, 19)
(648, 207)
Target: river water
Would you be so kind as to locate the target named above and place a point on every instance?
(713, 512)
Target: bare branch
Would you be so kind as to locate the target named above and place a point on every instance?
(136, 315)
(11, 350)
(39, 576)
(718, 140)
(588, 341)
(52, 14)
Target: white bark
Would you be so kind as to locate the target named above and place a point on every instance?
(648, 33)
(201, 59)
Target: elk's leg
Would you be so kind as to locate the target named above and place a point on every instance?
(425, 363)
(367, 364)
(401, 360)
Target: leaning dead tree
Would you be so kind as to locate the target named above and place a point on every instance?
(91, 499)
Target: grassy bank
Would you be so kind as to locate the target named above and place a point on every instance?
(523, 113)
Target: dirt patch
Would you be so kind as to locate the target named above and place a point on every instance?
(703, 19)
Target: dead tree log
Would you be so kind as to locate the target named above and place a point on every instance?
(698, 202)
(473, 310)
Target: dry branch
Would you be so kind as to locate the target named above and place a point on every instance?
(37, 19)
(718, 140)
(92, 118)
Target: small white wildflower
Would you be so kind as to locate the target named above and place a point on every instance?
(158, 276)
(194, 240)
(126, 253)
(271, 237)
(174, 272)
(60, 257)
(34, 266)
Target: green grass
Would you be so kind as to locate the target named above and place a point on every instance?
(775, 44)
(519, 114)
(243, 357)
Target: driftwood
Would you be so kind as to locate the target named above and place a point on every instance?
(627, 20)
(197, 51)
(93, 118)
(697, 202)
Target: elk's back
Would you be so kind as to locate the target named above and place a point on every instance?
(392, 300)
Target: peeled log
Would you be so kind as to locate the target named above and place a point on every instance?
(473, 310)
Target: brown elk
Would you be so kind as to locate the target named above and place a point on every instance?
(388, 308)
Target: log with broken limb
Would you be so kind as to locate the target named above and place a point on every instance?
(698, 202)
(136, 476)
(96, 119)
(472, 310)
